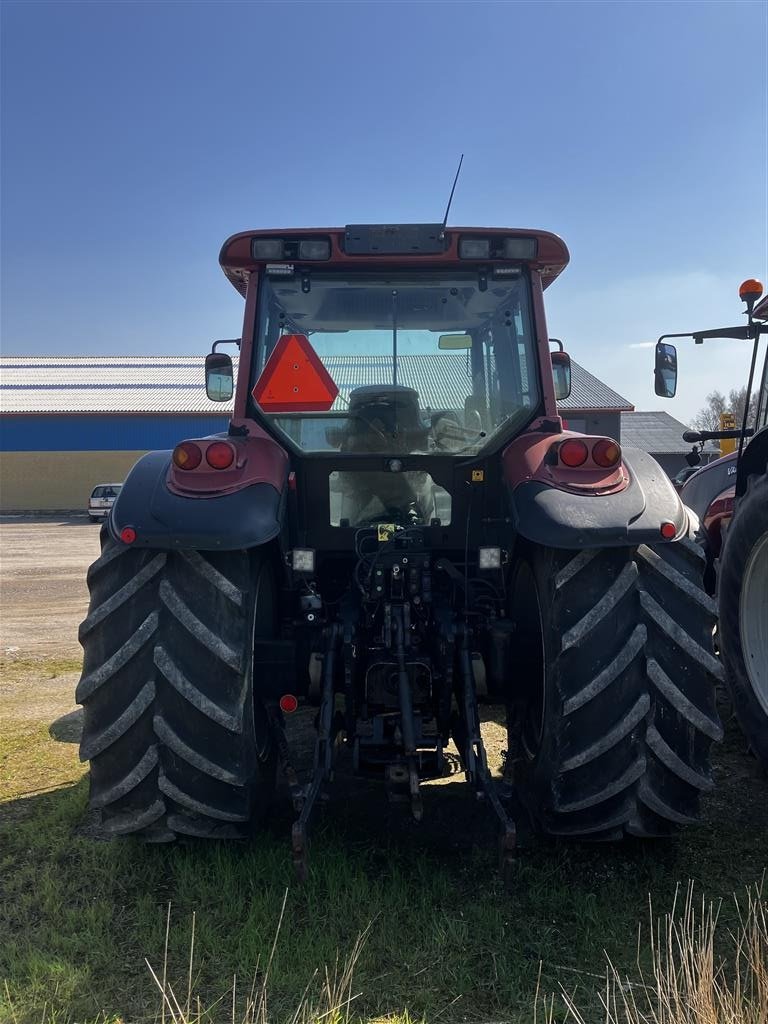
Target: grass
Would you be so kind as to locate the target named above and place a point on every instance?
(29, 761)
(79, 917)
(698, 973)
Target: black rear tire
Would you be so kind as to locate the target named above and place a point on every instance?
(176, 740)
(615, 664)
(741, 594)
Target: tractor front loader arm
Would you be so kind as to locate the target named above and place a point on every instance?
(562, 517)
(159, 518)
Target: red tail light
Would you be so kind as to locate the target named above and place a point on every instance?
(573, 453)
(288, 703)
(127, 535)
(606, 453)
(220, 455)
(667, 530)
(187, 455)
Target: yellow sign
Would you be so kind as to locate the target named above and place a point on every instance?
(727, 422)
(386, 531)
(478, 475)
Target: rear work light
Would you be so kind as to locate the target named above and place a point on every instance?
(267, 248)
(573, 453)
(187, 455)
(497, 248)
(520, 248)
(315, 249)
(220, 455)
(291, 248)
(474, 248)
(606, 453)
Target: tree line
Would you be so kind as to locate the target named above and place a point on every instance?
(708, 418)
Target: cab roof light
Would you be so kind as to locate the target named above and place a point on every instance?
(474, 248)
(495, 248)
(313, 249)
(520, 248)
(267, 248)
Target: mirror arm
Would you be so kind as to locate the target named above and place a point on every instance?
(226, 341)
(714, 435)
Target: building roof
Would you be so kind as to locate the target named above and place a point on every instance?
(655, 432)
(119, 384)
(175, 384)
(588, 393)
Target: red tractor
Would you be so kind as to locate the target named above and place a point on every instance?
(396, 526)
(730, 496)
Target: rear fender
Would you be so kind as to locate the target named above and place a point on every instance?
(702, 488)
(626, 513)
(754, 459)
(247, 509)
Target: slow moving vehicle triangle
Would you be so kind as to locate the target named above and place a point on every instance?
(294, 379)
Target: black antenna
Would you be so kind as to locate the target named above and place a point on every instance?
(450, 198)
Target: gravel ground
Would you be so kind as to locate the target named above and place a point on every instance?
(43, 595)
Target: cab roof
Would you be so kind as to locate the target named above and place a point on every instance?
(237, 261)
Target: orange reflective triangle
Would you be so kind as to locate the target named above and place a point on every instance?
(294, 379)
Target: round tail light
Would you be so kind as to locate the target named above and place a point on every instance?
(573, 453)
(606, 453)
(220, 455)
(187, 455)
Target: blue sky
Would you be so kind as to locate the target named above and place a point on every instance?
(137, 136)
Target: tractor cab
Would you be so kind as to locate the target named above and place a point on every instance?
(383, 358)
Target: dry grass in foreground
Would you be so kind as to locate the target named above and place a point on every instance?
(698, 974)
(326, 998)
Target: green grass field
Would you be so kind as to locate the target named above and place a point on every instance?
(78, 916)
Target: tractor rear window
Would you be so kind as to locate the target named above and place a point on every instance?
(423, 362)
(411, 498)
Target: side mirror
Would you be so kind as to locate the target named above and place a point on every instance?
(219, 385)
(665, 370)
(561, 371)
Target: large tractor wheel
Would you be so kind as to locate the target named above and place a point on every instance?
(743, 606)
(176, 739)
(614, 658)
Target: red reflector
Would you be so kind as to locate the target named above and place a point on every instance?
(606, 453)
(220, 455)
(668, 530)
(187, 455)
(573, 453)
(127, 535)
(288, 703)
(294, 379)
(291, 481)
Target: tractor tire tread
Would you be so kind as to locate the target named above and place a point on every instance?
(176, 742)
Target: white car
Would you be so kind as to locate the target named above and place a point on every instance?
(101, 501)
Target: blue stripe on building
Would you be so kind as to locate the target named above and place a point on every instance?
(98, 432)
